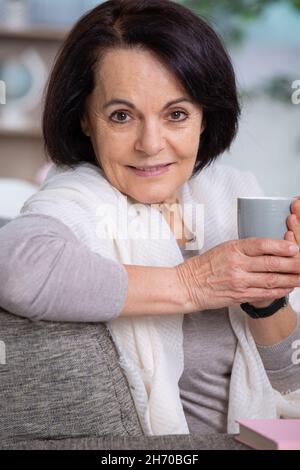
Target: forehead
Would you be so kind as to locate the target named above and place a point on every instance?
(134, 73)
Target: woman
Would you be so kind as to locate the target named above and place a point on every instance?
(141, 102)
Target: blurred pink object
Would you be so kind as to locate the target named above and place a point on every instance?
(42, 173)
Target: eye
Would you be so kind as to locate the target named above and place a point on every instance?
(119, 114)
(178, 113)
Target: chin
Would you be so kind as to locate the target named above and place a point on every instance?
(145, 199)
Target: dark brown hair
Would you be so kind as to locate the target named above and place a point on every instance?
(188, 46)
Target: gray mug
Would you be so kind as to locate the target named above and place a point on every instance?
(263, 217)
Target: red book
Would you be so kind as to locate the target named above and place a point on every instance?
(270, 434)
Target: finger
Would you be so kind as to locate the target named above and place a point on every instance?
(272, 281)
(295, 207)
(267, 246)
(272, 264)
(294, 227)
(290, 237)
(256, 295)
(293, 222)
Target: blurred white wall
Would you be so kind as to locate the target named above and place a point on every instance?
(267, 145)
(13, 193)
(268, 142)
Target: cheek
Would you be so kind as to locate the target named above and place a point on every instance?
(187, 150)
(111, 150)
(113, 164)
(187, 139)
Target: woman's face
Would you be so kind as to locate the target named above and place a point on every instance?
(147, 131)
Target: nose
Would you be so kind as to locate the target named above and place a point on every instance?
(150, 139)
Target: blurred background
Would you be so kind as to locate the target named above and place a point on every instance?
(263, 39)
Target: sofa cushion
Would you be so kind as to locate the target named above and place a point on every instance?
(62, 380)
(109, 443)
(3, 222)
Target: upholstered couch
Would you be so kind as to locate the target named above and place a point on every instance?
(61, 387)
(3, 221)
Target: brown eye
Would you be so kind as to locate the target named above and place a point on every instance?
(120, 115)
(178, 113)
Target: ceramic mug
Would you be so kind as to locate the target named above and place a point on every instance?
(263, 217)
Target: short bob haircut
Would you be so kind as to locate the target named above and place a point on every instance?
(189, 48)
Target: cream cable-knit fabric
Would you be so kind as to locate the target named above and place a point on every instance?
(151, 347)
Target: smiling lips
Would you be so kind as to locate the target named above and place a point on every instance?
(151, 170)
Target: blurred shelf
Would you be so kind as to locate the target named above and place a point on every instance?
(33, 132)
(39, 33)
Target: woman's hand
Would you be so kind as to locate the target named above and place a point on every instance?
(293, 223)
(272, 330)
(240, 271)
(293, 235)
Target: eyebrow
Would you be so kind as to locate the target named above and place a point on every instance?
(132, 106)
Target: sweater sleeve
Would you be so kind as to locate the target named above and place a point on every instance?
(282, 361)
(46, 273)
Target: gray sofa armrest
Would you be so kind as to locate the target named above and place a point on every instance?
(60, 381)
(4, 221)
(61, 387)
(173, 442)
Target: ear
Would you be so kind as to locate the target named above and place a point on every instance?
(85, 126)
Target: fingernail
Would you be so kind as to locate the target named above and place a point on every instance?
(294, 248)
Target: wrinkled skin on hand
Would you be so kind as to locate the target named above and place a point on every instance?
(254, 270)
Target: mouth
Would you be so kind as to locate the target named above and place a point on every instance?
(151, 170)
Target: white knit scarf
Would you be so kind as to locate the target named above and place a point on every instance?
(151, 347)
